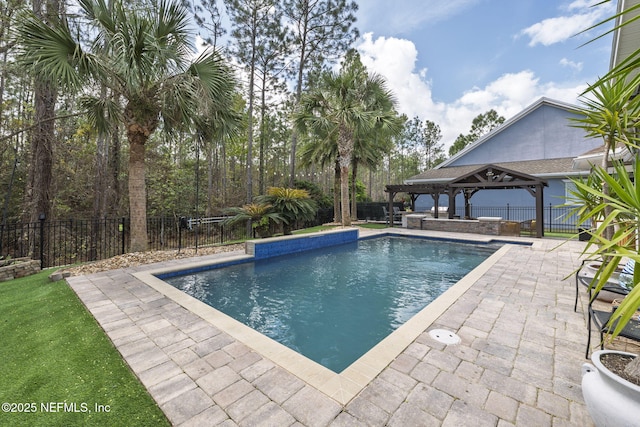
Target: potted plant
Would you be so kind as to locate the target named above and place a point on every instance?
(611, 399)
(612, 112)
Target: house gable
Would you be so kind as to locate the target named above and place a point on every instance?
(541, 131)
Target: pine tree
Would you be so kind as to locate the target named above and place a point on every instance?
(322, 30)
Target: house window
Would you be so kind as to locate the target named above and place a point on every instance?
(569, 190)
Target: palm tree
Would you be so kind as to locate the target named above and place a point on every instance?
(144, 56)
(344, 106)
(369, 151)
(323, 152)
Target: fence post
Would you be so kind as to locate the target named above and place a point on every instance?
(42, 217)
(180, 223)
(507, 211)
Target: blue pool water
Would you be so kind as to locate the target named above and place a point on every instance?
(334, 304)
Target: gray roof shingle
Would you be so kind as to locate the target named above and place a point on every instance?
(539, 168)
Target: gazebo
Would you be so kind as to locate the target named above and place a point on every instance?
(487, 177)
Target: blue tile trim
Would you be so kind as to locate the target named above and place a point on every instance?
(275, 248)
(450, 239)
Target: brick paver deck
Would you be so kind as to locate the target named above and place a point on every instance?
(518, 363)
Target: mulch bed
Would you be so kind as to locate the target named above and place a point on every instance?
(135, 259)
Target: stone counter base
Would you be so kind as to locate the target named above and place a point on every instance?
(486, 225)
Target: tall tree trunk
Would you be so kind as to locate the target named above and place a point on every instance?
(210, 163)
(344, 193)
(114, 205)
(137, 193)
(345, 153)
(263, 109)
(100, 185)
(223, 169)
(139, 127)
(337, 217)
(354, 199)
(294, 132)
(43, 135)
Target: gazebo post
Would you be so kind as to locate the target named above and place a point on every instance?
(467, 205)
(452, 203)
(436, 204)
(539, 212)
(390, 207)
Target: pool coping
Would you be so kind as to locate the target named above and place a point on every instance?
(343, 386)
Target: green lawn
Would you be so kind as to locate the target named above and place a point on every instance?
(53, 352)
(314, 229)
(373, 225)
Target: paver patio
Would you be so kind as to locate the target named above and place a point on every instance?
(518, 363)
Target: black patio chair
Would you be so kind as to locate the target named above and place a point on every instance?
(396, 217)
(584, 278)
(601, 319)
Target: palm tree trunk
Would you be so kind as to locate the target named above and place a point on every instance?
(137, 194)
(344, 194)
(337, 216)
(354, 201)
(345, 153)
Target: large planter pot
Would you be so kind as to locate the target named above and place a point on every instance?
(611, 400)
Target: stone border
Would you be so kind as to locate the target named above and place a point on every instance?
(341, 387)
(20, 267)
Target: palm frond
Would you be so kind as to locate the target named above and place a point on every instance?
(51, 52)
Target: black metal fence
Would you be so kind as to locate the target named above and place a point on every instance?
(66, 242)
(374, 211)
(57, 243)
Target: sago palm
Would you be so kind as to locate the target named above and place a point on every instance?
(145, 57)
(260, 215)
(293, 204)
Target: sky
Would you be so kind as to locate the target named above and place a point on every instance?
(449, 60)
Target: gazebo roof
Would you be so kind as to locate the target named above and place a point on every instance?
(496, 177)
(486, 177)
(538, 168)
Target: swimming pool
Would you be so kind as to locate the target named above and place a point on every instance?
(333, 305)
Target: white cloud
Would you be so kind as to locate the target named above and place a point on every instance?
(395, 59)
(558, 29)
(403, 16)
(577, 66)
